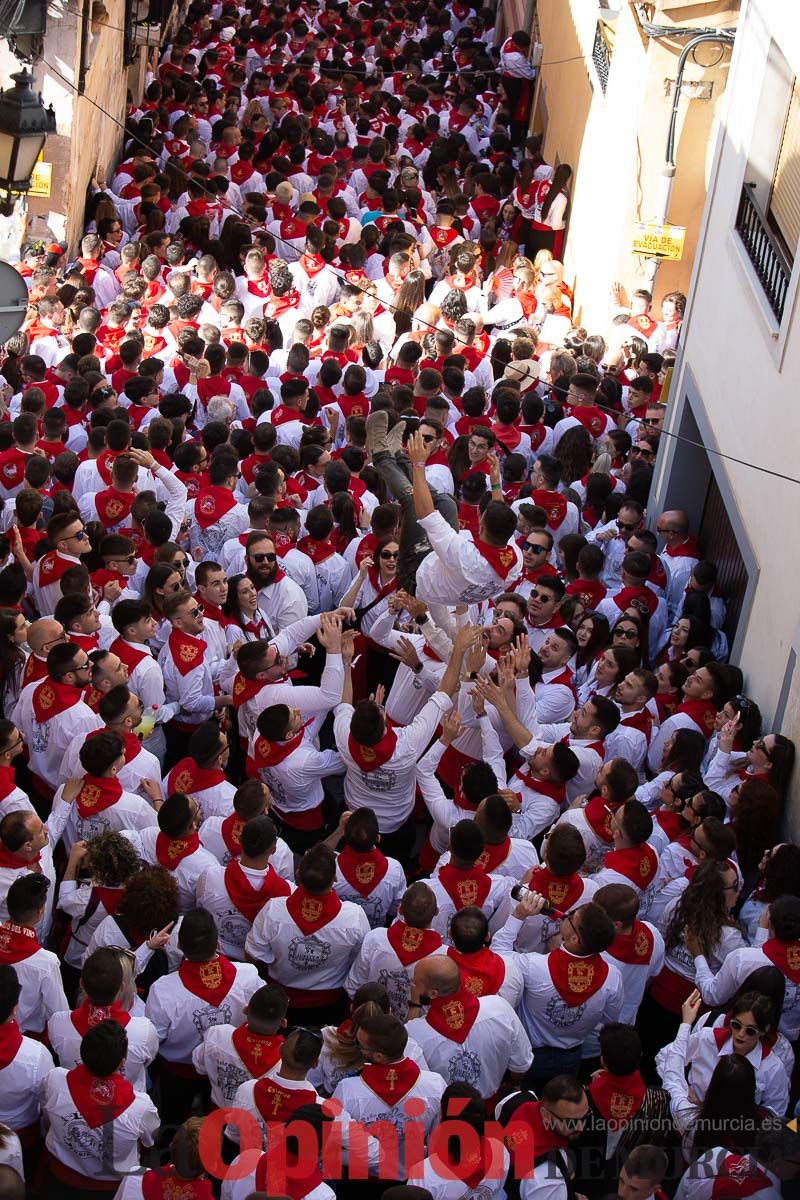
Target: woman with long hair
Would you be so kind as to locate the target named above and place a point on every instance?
(13, 656)
(728, 1115)
(592, 633)
(575, 452)
(612, 665)
(779, 876)
(550, 217)
(341, 1054)
(748, 730)
(246, 621)
(770, 758)
(671, 678)
(161, 581)
(630, 632)
(686, 633)
(755, 809)
(567, 552)
(697, 921)
(683, 751)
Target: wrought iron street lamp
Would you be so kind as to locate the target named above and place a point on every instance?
(24, 125)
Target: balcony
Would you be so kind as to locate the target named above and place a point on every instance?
(769, 261)
(601, 56)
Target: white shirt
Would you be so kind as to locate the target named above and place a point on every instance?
(188, 870)
(20, 1084)
(389, 789)
(181, 1018)
(496, 1043)
(128, 812)
(142, 1046)
(456, 573)
(734, 969)
(384, 899)
(211, 840)
(365, 1106)
(521, 857)
(212, 895)
(442, 1188)
(42, 992)
(495, 907)
(9, 874)
(548, 1020)
(699, 1180)
(85, 1150)
(702, 1056)
(192, 692)
(143, 765)
(376, 960)
(217, 1057)
(283, 603)
(296, 782)
(313, 962)
(48, 741)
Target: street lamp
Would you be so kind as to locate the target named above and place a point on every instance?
(24, 125)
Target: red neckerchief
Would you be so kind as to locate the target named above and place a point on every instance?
(103, 461)
(363, 870)
(617, 1098)
(50, 699)
(283, 414)
(591, 418)
(317, 551)
(634, 948)
(165, 1184)
(553, 503)
(576, 979)
(258, 1051)
(702, 712)
(672, 823)
(186, 776)
(453, 1016)
(312, 264)
(411, 944)
(211, 611)
(35, 668)
(10, 1042)
(248, 899)
(99, 1100)
(51, 567)
(391, 1082)
(666, 703)
(545, 787)
(687, 549)
(465, 886)
(231, 833)
(277, 1103)
(277, 306)
(212, 504)
(785, 956)
(109, 897)
(113, 506)
(482, 973)
(129, 654)
(737, 1178)
(171, 852)
(369, 758)
(86, 641)
(96, 795)
(8, 783)
(641, 720)
(637, 863)
(17, 942)
(529, 1125)
(246, 689)
(89, 1015)
(500, 558)
(311, 913)
(209, 981)
(635, 597)
(271, 754)
(187, 652)
(598, 813)
(493, 855)
(9, 859)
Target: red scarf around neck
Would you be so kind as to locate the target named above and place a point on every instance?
(165, 1184)
(231, 833)
(411, 944)
(363, 870)
(482, 973)
(97, 794)
(576, 979)
(634, 948)
(187, 652)
(617, 1098)
(391, 1082)
(209, 981)
(369, 758)
(10, 1042)
(187, 776)
(493, 856)
(171, 852)
(465, 886)
(564, 891)
(258, 1051)
(454, 1016)
(50, 699)
(99, 1100)
(277, 1103)
(785, 956)
(89, 1015)
(17, 942)
(702, 712)
(639, 864)
(212, 504)
(311, 913)
(249, 899)
(113, 507)
(500, 558)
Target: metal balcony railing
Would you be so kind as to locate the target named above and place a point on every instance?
(601, 57)
(770, 263)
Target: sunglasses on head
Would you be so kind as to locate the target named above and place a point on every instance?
(265, 557)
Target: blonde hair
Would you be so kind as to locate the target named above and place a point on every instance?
(343, 1049)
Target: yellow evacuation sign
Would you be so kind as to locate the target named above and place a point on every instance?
(41, 179)
(658, 241)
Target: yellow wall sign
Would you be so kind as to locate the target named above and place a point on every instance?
(658, 241)
(41, 179)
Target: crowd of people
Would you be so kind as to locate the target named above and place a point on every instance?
(380, 812)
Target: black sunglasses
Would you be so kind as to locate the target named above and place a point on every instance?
(390, 554)
(260, 558)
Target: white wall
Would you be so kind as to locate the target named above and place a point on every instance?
(747, 371)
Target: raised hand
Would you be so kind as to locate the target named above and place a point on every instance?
(452, 727)
(406, 653)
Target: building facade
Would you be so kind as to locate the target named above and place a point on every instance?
(603, 104)
(735, 384)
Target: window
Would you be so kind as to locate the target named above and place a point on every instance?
(784, 201)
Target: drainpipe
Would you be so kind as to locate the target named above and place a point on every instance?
(725, 36)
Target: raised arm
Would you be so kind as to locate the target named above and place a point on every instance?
(419, 453)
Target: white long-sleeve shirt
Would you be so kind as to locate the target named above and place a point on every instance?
(456, 573)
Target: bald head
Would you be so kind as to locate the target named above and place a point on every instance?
(677, 519)
(42, 632)
(437, 975)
